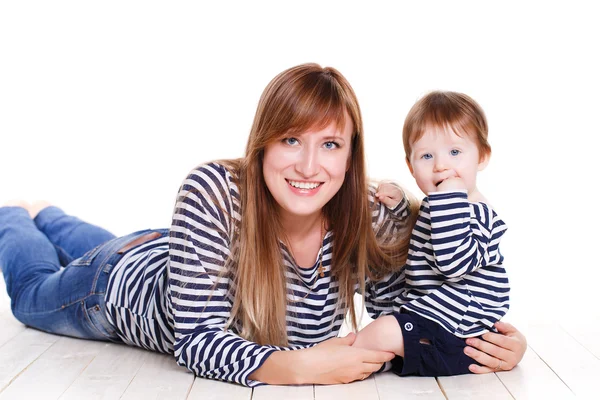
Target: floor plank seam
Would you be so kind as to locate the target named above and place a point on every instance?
(28, 365)
(551, 369)
(505, 387)
(77, 377)
(578, 342)
(11, 338)
(187, 395)
(437, 380)
(376, 386)
(133, 377)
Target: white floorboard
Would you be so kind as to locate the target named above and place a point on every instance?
(390, 385)
(10, 326)
(563, 362)
(586, 331)
(20, 351)
(160, 378)
(305, 392)
(206, 389)
(486, 386)
(54, 371)
(571, 361)
(109, 374)
(533, 379)
(360, 390)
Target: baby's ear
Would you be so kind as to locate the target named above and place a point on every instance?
(409, 166)
(484, 161)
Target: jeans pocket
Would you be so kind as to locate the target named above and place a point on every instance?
(97, 315)
(86, 259)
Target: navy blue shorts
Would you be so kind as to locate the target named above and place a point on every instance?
(442, 356)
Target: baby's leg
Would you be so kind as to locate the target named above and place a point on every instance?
(429, 349)
(383, 334)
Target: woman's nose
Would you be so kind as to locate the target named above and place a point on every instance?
(308, 163)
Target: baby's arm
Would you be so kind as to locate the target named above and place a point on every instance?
(463, 238)
(383, 334)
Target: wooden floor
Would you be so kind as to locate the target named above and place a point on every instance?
(562, 362)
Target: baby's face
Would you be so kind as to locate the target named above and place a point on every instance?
(441, 154)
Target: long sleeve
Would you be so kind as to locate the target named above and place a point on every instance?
(454, 271)
(464, 236)
(387, 222)
(380, 296)
(198, 249)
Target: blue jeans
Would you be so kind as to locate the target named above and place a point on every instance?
(56, 269)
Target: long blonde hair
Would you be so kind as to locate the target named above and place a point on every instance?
(298, 99)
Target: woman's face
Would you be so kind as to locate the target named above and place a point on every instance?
(303, 172)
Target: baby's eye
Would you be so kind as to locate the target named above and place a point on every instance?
(331, 145)
(290, 141)
(427, 156)
(454, 152)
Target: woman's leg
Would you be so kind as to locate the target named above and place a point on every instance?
(71, 236)
(24, 251)
(43, 295)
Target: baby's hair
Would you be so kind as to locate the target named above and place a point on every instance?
(446, 110)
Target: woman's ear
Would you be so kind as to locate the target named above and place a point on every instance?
(483, 161)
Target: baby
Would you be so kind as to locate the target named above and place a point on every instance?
(456, 286)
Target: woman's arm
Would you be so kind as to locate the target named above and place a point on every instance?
(380, 296)
(201, 301)
(497, 351)
(199, 247)
(388, 221)
(331, 362)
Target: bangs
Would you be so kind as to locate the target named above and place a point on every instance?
(317, 109)
(456, 123)
(314, 103)
(446, 111)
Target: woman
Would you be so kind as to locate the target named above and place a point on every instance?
(249, 270)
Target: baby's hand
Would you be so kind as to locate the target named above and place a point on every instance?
(454, 183)
(389, 194)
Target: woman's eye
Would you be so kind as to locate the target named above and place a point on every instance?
(454, 152)
(291, 141)
(427, 156)
(331, 145)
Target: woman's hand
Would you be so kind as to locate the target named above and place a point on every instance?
(497, 351)
(332, 361)
(336, 361)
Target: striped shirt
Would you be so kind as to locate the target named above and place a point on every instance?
(170, 294)
(454, 272)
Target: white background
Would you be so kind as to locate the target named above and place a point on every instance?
(105, 107)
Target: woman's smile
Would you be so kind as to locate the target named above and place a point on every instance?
(303, 187)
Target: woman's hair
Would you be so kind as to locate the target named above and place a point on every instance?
(446, 110)
(301, 98)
